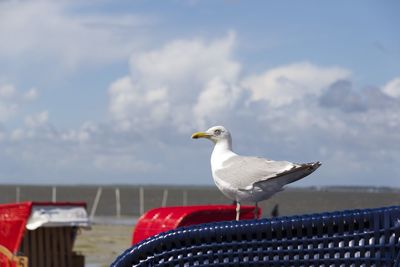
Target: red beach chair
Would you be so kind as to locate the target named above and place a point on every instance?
(160, 220)
(41, 233)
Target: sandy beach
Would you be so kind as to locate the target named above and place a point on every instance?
(103, 243)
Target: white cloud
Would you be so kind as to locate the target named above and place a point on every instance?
(7, 91)
(7, 111)
(18, 134)
(49, 29)
(83, 134)
(37, 120)
(165, 84)
(186, 62)
(283, 85)
(12, 100)
(215, 102)
(392, 88)
(122, 96)
(36, 127)
(31, 95)
(131, 107)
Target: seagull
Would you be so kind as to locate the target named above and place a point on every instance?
(249, 179)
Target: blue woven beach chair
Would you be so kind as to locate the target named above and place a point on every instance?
(368, 237)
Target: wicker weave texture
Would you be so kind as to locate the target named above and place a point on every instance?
(369, 237)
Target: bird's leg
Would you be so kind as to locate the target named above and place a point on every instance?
(237, 210)
(256, 211)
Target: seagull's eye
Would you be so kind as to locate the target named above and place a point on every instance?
(217, 132)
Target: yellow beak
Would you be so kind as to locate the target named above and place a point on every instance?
(200, 135)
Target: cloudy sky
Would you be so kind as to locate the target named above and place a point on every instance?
(110, 91)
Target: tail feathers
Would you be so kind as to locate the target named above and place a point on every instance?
(312, 165)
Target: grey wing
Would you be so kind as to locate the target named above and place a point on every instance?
(244, 172)
(298, 172)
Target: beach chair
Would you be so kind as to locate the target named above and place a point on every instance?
(369, 237)
(41, 234)
(163, 219)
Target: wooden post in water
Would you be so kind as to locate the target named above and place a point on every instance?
(54, 194)
(164, 198)
(17, 194)
(117, 202)
(141, 200)
(95, 203)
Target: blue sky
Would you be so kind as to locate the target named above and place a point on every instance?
(110, 92)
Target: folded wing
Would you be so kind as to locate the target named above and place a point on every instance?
(245, 173)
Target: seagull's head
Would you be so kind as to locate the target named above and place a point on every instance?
(215, 134)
